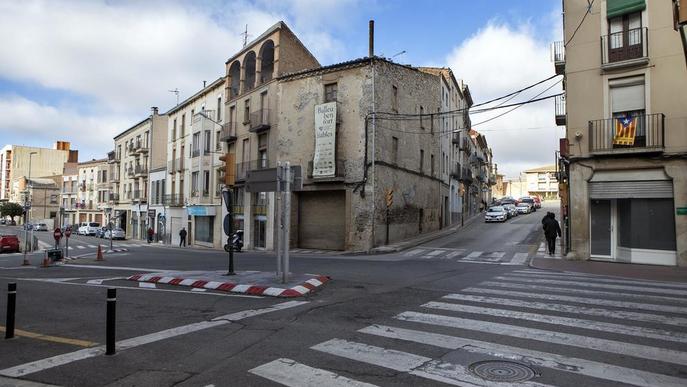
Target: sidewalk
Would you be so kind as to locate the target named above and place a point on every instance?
(615, 269)
(423, 238)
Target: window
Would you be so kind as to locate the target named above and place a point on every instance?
(394, 150)
(195, 152)
(262, 151)
(422, 160)
(232, 115)
(219, 109)
(174, 130)
(208, 141)
(422, 111)
(394, 99)
(625, 37)
(218, 143)
(627, 99)
(330, 92)
(646, 224)
(431, 165)
(194, 182)
(206, 183)
(246, 111)
(183, 125)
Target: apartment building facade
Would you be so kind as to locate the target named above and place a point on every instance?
(43, 196)
(130, 161)
(188, 196)
(542, 181)
(623, 168)
(92, 191)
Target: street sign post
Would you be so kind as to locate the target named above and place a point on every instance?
(228, 228)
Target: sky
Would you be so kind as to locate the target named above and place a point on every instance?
(84, 71)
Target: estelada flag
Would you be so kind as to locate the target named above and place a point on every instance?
(625, 130)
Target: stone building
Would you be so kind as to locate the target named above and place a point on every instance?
(69, 194)
(43, 195)
(92, 191)
(134, 150)
(623, 158)
(188, 193)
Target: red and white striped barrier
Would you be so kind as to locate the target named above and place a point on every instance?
(256, 290)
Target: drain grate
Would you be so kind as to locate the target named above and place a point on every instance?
(502, 371)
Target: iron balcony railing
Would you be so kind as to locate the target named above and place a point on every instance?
(139, 194)
(559, 102)
(113, 197)
(112, 157)
(174, 200)
(140, 170)
(228, 132)
(140, 146)
(558, 52)
(455, 171)
(624, 46)
(260, 120)
(643, 133)
(466, 174)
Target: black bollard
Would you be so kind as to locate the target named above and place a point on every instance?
(111, 316)
(11, 306)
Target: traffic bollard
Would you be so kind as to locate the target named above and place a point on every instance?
(11, 306)
(111, 315)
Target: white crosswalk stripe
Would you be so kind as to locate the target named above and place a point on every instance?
(594, 328)
(413, 252)
(460, 255)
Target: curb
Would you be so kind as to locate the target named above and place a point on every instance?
(308, 286)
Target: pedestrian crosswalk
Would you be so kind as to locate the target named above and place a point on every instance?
(487, 257)
(567, 329)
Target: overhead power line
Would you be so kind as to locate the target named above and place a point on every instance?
(589, 10)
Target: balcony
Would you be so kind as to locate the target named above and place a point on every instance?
(625, 49)
(173, 200)
(228, 133)
(455, 139)
(558, 57)
(140, 147)
(130, 172)
(140, 171)
(559, 102)
(114, 177)
(114, 198)
(260, 121)
(339, 171)
(112, 157)
(243, 168)
(611, 136)
(139, 194)
(465, 175)
(455, 171)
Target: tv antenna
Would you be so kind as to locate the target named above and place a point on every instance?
(175, 91)
(245, 36)
(397, 54)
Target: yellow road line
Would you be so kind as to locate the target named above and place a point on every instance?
(54, 339)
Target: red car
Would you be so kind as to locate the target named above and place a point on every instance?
(9, 243)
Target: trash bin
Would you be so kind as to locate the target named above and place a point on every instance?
(54, 255)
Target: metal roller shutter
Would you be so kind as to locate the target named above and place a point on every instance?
(322, 222)
(631, 189)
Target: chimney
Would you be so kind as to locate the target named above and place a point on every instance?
(204, 84)
(372, 39)
(154, 110)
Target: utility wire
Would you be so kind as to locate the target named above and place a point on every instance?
(515, 92)
(589, 10)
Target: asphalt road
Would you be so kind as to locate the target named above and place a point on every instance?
(424, 316)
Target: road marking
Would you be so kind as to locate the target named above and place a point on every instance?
(421, 366)
(290, 373)
(595, 343)
(92, 247)
(519, 258)
(101, 280)
(581, 300)
(121, 268)
(640, 297)
(454, 253)
(80, 247)
(651, 333)
(473, 255)
(595, 285)
(528, 356)
(146, 285)
(435, 252)
(56, 361)
(496, 254)
(198, 290)
(546, 306)
(54, 339)
(600, 279)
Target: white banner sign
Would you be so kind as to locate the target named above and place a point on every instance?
(324, 163)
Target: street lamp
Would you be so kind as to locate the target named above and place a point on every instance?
(26, 212)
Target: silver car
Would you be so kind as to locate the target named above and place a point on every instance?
(40, 227)
(117, 233)
(524, 208)
(496, 214)
(512, 210)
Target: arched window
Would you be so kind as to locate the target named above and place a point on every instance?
(234, 79)
(249, 68)
(267, 61)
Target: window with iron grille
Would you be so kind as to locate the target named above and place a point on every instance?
(330, 91)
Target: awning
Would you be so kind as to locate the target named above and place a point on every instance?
(621, 7)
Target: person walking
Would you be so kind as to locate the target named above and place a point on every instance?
(551, 230)
(182, 237)
(150, 234)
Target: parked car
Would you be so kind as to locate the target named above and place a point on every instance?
(528, 200)
(28, 226)
(496, 214)
(40, 227)
(88, 228)
(3, 221)
(117, 233)
(512, 209)
(525, 208)
(9, 243)
(100, 233)
(507, 200)
(537, 201)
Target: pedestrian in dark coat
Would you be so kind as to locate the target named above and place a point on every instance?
(182, 237)
(551, 230)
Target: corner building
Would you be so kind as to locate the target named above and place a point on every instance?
(626, 135)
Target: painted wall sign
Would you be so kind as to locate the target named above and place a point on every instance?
(324, 163)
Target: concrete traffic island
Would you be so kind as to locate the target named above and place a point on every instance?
(258, 283)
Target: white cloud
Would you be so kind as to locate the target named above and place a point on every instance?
(497, 60)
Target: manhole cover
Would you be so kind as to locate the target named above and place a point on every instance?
(502, 371)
